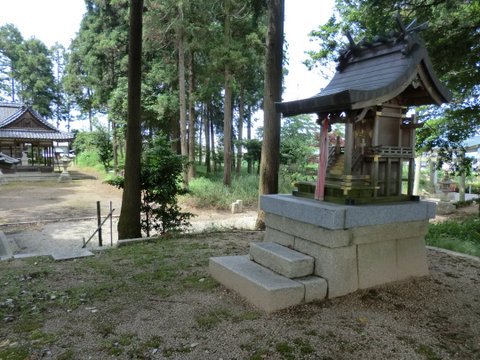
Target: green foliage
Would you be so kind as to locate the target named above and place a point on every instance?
(457, 235)
(93, 147)
(160, 178)
(212, 193)
(254, 151)
(28, 68)
(297, 140)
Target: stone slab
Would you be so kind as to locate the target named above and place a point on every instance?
(335, 216)
(377, 264)
(411, 258)
(316, 288)
(406, 211)
(279, 237)
(313, 233)
(327, 215)
(260, 286)
(68, 254)
(282, 260)
(389, 232)
(5, 251)
(337, 265)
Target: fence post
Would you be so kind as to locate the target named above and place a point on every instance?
(99, 218)
(111, 225)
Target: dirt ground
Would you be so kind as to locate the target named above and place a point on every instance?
(47, 216)
(437, 317)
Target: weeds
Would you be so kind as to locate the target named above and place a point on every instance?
(456, 235)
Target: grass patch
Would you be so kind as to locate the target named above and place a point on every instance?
(213, 318)
(457, 235)
(427, 352)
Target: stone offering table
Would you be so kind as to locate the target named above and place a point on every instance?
(351, 247)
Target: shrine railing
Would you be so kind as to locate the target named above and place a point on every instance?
(390, 151)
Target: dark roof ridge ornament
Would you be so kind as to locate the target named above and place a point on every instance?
(405, 34)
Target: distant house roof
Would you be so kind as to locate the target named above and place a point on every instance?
(21, 122)
(372, 73)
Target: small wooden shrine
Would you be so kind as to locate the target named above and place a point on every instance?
(375, 84)
(27, 137)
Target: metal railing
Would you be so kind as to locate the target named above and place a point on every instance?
(100, 223)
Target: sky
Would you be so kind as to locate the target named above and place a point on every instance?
(58, 21)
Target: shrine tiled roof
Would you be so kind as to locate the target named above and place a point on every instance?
(371, 73)
(11, 127)
(35, 135)
(11, 115)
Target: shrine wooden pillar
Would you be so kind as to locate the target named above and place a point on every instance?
(349, 138)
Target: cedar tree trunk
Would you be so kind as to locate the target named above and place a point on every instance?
(270, 159)
(129, 223)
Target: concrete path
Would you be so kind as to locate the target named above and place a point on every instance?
(63, 239)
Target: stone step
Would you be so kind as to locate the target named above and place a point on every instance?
(287, 262)
(262, 287)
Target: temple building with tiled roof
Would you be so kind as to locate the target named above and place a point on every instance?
(26, 136)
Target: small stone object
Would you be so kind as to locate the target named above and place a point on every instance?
(237, 207)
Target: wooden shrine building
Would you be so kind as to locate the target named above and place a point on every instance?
(375, 84)
(27, 137)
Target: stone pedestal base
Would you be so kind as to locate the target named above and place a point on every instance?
(64, 177)
(354, 247)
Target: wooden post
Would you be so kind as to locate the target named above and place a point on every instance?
(347, 170)
(388, 177)
(111, 225)
(99, 221)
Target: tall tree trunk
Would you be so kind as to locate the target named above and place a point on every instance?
(227, 130)
(115, 147)
(212, 148)
(200, 132)
(175, 135)
(129, 223)
(191, 119)
(241, 112)
(183, 102)
(270, 159)
(249, 137)
(227, 110)
(206, 122)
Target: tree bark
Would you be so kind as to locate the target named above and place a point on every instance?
(129, 223)
(227, 111)
(191, 120)
(208, 162)
(183, 102)
(249, 137)
(212, 148)
(227, 130)
(270, 159)
(241, 113)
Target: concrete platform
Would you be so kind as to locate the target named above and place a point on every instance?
(260, 286)
(281, 259)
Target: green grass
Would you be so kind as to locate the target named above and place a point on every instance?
(208, 190)
(461, 235)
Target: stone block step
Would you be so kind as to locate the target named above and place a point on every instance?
(262, 287)
(287, 262)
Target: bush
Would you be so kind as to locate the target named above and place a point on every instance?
(160, 176)
(88, 158)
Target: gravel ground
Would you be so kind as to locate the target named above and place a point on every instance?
(436, 317)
